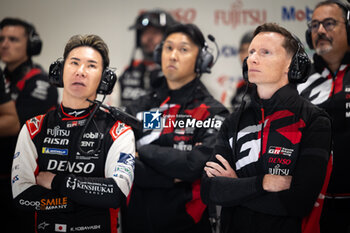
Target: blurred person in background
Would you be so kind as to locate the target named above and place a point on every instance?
(241, 86)
(144, 75)
(29, 89)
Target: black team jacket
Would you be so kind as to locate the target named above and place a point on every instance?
(284, 135)
(166, 193)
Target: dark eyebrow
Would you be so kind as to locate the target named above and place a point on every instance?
(315, 20)
(92, 61)
(182, 43)
(75, 58)
(78, 59)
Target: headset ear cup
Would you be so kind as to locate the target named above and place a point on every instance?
(197, 67)
(34, 43)
(157, 54)
(245, 69)
(299, 68)
(304, 67)
(309, 38)
(56, 73)
(348, 32)
(293, 72)
(204, 61)
(207, 62)
(108, 80)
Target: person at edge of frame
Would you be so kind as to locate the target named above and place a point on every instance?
(328, 87)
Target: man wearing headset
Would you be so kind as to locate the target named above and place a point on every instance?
(28, 82)
(270, 158)
(143, 75)
(74, 165)
(28, 85)
(181, 120)
(328, 87)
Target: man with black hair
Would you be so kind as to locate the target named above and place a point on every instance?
(328, 87)
(28, 85)
(28, 82)
(74, 165)
(143, 75)
(181, 121)
(271, 157)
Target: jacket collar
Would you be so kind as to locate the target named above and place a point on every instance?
(74, 114)
(190, 91)
(320, 64)
(19, 72)
(283, 97)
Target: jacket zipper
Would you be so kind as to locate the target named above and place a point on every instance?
(262, 129)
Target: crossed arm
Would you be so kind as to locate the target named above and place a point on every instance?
(9, 123)
(271, 183)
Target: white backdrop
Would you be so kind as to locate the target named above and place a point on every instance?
(227, 20)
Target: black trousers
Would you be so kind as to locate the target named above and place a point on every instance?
(335, 216)
(13, 219)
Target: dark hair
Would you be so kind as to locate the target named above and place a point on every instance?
(191, 30)
(246, 38)
(92, 41)
(343, 6)
(29, 28)
(291, 43)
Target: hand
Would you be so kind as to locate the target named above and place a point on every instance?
(214, 169)
(276, 183)
(45, 179)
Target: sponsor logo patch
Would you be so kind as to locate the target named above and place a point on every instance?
(276, 150)
(54, 151)
(60, 227)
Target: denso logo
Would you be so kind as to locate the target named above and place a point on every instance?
(292, 14)
(73, 167)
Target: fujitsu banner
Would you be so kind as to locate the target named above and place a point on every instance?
(226, 20)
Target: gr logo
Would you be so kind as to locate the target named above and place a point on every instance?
(152, 120)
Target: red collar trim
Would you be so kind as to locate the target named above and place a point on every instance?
(70, 117)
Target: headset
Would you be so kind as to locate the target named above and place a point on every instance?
(108, 79)
(299, 67)
(34, 42)
(346, 8)
(204, 60)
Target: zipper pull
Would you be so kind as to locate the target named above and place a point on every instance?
(262, 114)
